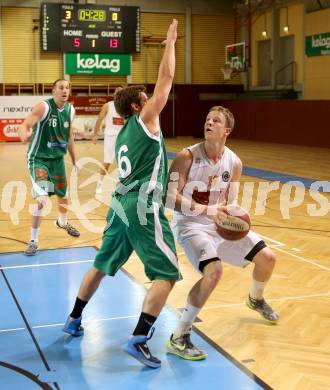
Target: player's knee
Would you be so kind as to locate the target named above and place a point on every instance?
(97, 274)
(213, 273)
(268, 259)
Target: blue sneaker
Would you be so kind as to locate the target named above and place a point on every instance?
(73, 327)
(138, 348)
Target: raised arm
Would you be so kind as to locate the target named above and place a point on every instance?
(152, 109)
(25, 129)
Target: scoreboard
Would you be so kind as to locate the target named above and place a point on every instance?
(89, 28)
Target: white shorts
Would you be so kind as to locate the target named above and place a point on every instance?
(109, 148)
(203, 243)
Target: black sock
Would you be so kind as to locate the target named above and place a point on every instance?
(78, 308)
(144, 324)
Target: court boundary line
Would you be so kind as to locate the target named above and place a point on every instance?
(34, 340)
(218, 348)
(212, 343)
(278, 244)
(34, 378)
(269, 300)
(172, 308)
(59, 263)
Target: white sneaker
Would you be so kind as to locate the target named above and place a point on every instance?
(98, 187)
(32, 248)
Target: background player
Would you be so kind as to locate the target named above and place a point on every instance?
(136, 220)
(113, 123)
(48, 127)
(217, 168)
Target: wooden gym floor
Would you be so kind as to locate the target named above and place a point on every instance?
(295, 354)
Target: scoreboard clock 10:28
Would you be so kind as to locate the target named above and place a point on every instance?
(90, 28)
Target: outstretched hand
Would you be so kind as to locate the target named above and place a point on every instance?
(172, 32)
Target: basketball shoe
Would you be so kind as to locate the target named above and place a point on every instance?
(69, 228)
(73, 327)
(184, 348)
(262, 307)
(32, 248)
(138, 348)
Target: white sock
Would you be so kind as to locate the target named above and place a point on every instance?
(34, 234)
(62, 218)
(188, 317)
(257, 289)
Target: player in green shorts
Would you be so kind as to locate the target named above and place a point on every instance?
(48, 128)
(136, 220)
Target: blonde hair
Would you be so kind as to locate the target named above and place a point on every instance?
(230, 121)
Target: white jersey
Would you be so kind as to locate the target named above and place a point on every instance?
(197, 234)
(207, 182)
(113, 121)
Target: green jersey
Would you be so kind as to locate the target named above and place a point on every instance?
(141, 158)
(51, 135)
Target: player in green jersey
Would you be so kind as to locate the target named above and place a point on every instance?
(136, 220)
(48, 128)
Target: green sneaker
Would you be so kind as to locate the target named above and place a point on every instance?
(262, 307)
(184, 348)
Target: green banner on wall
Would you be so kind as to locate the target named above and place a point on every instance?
(91, 63)
(318, 45)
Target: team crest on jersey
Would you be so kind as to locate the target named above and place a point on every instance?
(66, 124)
(197, 160)
(225, 176)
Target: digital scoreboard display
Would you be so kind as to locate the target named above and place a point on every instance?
(88, 28)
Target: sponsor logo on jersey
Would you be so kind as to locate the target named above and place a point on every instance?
(117, 121)
(225, 176)
(56, 145)
(66, 124)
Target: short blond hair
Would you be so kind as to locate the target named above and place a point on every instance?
(230, 121)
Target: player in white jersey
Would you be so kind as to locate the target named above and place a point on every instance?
(203, 181)
(113, 123)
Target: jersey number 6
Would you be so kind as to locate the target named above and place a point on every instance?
(124, 165)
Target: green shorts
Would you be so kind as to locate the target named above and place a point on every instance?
(48, 177)
(152, 240)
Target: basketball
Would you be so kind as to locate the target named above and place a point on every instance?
(233, 223)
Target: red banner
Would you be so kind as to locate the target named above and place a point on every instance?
(88, 105)
(9, 129)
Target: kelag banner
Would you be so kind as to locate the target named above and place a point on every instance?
(318, 45)
(91, 63)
